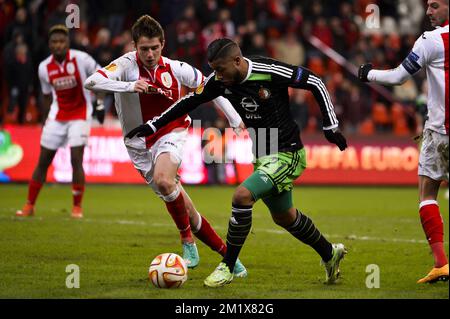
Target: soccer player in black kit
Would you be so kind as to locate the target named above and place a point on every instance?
(257, 87)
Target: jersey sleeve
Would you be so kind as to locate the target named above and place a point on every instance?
(205, 92)
(303, 78)
(187, 74)
(419, 55)
(111, 78)
(46, 87)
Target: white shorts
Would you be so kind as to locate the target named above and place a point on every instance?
(144, 160)
(434, 157)
(57, 134)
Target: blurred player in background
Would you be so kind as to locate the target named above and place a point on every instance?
(145, 84)
(257, 87)
(430, 52)
(61, 76)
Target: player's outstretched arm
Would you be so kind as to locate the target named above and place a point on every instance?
(176, 110)
(99, 82)
(416, 59)
(206, 92)
(396, 76)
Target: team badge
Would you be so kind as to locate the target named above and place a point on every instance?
(70, 68)
(111, 68)
(264, 93)
(166, 79)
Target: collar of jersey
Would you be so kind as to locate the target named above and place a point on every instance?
(249, 71)
(444, 24)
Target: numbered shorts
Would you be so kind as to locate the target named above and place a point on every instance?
(56, 134)
(434, 157)
(144, 160)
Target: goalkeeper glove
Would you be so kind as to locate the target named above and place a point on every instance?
(335, 136)
(142, 130)
(99, 111)
(363, 71)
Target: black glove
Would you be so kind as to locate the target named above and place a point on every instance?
(140, 131)
(99, 111)
(336, 137)
(364, 71)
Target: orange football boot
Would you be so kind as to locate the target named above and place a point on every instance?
(26, 211)
(77, 212)
(436, 274)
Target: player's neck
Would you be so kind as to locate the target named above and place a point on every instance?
(59, 59)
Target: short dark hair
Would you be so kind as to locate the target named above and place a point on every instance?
(58, 28)
(148, 27)
(221, 48)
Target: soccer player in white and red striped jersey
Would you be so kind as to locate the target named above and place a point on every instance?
(430, 52)
(145, 84)
(62, 75)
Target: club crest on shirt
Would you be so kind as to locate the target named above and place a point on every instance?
(70, 68)
(264, 93)
(166, 79)
(111, 67)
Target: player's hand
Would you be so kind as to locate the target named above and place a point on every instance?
(363, 71)
(335, 136)
(140, 131)
(140, 86)
(238, 130)
(99, 111)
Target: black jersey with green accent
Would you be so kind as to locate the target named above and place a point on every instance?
(261, 99)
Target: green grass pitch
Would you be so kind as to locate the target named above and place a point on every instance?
(126, 226)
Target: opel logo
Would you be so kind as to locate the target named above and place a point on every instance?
(249, 104)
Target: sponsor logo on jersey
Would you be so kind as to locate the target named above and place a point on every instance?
(156, 90)
(166, 79)
(111, 68)
(250, 106)
(70, 68)
(264, 93)
(53, 72)
(64, 83)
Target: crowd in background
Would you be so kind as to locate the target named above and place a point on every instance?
(278, 28)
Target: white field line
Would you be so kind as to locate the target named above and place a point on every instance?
(265, 230)
(271, 231)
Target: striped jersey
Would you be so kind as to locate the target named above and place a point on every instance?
(262, 101)
(431, 52)
(71, 101)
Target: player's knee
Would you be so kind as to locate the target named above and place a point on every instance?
(285, 218)
(164, 184)
(242, 196)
